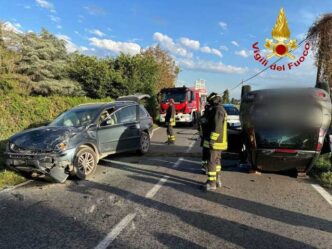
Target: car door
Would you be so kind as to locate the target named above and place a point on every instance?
(109, 133)
(130, 137)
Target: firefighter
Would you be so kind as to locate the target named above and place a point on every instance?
(205, 137)
(217, 123)
(170, 121)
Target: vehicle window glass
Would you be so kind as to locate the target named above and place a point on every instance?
(127, 114)
(192, 97)
(178, 96)
(105, 115)
(189, 96)
(142, 112)
(75, 118)
(303, 139)
(231, 110)
(111, 120)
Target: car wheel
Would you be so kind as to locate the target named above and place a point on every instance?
(144, 143)
(85, 163)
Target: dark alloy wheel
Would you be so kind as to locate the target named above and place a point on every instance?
(85, 163)
(144, 143)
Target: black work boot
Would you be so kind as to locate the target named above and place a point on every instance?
(210, 186)
(219, 183)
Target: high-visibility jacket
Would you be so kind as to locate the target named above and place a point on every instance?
(218, 128)
(170, 115)
(204, 126)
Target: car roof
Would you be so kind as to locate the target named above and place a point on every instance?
(228, 105)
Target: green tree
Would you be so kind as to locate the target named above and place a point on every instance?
(44, 56)
(320, 35)
(168, 70)
(225, 97)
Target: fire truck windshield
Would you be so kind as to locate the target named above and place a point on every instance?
(178, 96)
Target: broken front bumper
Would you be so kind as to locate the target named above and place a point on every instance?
(49, 164)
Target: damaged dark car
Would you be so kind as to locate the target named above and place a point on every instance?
(77, 139)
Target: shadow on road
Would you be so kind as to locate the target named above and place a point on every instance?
(191, 187)
(222, 228)
(25, 224)
(172, 241)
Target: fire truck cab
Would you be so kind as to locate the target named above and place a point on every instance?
(189, 102)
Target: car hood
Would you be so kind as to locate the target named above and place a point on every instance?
(43, 138)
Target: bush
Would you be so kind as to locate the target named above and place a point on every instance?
(63, 87)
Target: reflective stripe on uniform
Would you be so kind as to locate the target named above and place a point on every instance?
(218, 168)
(214, 136)
(223, 145)
(172, 122)
(212, 173)
(172, 138)
(219, 146)
(206, 144)
(212, 178)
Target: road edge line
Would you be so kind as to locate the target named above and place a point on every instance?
(15, 186)
(323, 193)
(155, 129)
(191, 145)
(111, 236)
(153, 191)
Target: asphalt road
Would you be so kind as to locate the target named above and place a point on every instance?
(156, 201)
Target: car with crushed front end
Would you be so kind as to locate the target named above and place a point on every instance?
(77, 139)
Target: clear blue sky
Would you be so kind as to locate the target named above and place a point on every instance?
(210, 39)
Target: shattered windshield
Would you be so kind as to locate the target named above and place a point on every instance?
(76, 118)
(288, 139)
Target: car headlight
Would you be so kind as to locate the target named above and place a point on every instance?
(11, 146)
(61, 147)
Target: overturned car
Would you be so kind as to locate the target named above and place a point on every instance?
(77, 139)
(284, 129)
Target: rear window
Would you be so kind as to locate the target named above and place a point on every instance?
(305, 139)
(231, 110)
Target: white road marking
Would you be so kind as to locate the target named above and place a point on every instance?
(152, 192)
(191, 146)
(115, 231)
(158, 144)
(323, 193)
(154, 131)
(191, 161)
(126, 220)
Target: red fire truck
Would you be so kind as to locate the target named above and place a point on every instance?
(189, 102)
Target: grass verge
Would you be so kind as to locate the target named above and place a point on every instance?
(322, 170)
(10, 178)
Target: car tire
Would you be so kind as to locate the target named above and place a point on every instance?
(144, 143)
(85, 163)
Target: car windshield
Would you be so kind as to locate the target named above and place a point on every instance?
(76, 117)
(178, 96)
(287, 138)
(232, 110)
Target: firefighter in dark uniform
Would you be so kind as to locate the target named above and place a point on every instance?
(205, 138)
(217, 123)
(170, 121)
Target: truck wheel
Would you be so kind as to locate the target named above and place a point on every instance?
(144, 143)
(85, 163)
